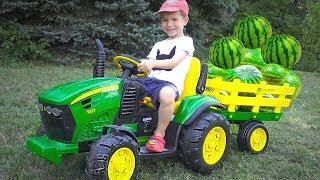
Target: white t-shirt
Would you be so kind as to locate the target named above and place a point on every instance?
(167, 49)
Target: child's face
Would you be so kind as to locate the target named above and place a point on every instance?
(173, 23)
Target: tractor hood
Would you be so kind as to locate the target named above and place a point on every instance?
(68, 92)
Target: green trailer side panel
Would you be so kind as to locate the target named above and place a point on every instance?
(50, 149)
(246, 116)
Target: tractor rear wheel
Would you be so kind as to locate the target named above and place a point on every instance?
(114, 156)
(253, 137)
(204, 144)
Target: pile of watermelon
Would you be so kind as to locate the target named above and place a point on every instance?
(254, 54)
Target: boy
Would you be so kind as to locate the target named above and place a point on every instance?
(168, 64)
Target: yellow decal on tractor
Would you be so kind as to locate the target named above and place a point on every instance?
(95, 91)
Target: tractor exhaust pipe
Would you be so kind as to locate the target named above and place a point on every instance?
(98, 68)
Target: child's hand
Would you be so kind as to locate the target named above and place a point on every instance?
(146, 65)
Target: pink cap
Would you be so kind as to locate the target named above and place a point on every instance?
(175, 5)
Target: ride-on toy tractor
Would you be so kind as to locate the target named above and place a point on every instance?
(111, 118)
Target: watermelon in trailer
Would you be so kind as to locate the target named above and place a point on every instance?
(284, 50)
(225, 52)
(246, 74)
(214, 71)
(252, 57)
(274, 74)
(293, 80)
(253, 31)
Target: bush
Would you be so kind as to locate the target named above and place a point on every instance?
(310, 39)
(71, 27)
(16, 45)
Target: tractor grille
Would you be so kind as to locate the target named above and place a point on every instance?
(58, 121)
(129, 101)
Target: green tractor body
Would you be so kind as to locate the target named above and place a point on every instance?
(77, 113)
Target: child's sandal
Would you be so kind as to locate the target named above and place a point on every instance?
(155, 144)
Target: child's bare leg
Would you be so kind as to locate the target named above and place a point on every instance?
(166, 98)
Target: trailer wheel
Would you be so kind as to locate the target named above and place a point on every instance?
(253, 137)
(113, 156)
(204, 144)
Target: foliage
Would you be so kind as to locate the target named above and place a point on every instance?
(310, 38)
(16, 45)
(72, 26)
(130, 26)
(125, 26)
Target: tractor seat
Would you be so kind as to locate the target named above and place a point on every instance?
(194, 83)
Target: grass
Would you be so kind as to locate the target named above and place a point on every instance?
(293, 151)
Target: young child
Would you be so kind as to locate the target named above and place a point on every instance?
(168, 64)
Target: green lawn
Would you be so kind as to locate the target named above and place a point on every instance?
(293, 151)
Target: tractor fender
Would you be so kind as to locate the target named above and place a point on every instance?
(192, 107)
(115, 128)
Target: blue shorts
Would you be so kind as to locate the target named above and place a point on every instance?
(152, 87)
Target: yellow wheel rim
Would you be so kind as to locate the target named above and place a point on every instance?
(121, 165)
(258, 139)
(214, 145)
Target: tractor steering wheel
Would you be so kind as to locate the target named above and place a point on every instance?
(127, 62)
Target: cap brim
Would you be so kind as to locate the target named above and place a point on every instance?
(168, 9)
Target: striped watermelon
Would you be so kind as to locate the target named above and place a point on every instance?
(274, 74)
(246, 74)
(253, 31)
(294, 81)
(252, 57)
(282, 49)
(225, 52)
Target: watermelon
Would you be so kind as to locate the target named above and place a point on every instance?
(274, 74)
(214, 71)
(294, 81)
(225, 52)
(252, 57)
(246, 74)
(253, 31)
(284, 50)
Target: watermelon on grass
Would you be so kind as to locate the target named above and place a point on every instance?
(246, 74)
(225, 52)
(253, 31)
(252, 57)
(284, 50)
(274, 74)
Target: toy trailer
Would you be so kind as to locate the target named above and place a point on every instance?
(247, 106)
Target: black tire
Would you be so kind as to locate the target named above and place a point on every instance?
(248, 131)
(98, 159)
(40, 130)
(193, 138)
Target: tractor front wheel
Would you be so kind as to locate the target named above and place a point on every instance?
(253, 137)
(114, 156)
(205, 143)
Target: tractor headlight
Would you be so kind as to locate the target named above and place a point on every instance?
(50, 110)
(40, 106)
(56, 111)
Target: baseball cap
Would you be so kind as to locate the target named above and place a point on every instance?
(175, 5)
